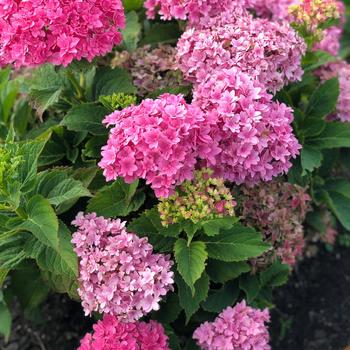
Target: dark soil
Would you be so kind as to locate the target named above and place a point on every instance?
(313, 312)
(313, 309)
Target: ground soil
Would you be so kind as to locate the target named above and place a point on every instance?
(312, 312)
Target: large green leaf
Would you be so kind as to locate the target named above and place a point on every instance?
(118, 199)
(221, 298)
(11, 252)
(108, 81)
(311, 159)
(5, 320)
(188, 301)
(162, 33)
(86, 117)
(132, 5)
(324, 99)
(340, 206)
(335, 135)
(250, 285)
(275, 276)
(237, 244)
(41, 221)
(221, 272)
(190, 259)
(170, 309)
(214, 226)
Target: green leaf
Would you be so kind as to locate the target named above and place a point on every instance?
(221, 272)
(324, 99)
(335, 135)
(237, 244)
(41, 100)
(189, 302)
(59, 188)
(5, 321)
(311, 127)
(214, 226)
(132, 31)
(108, 81)
(41, 221)
(338, 185)
(93, 147)
(311, 159)
(170, 309)
(251, 286)
(132, 5)
(190, 260)
(162, 33)
(220, 299)
(62, 261)
(11, 252)
(316, 59)
(86, 117)
(340, 206)
(118, 199)
(174, 341)
(275, 276)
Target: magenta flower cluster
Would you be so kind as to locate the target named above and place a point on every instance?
(110, 334)
(238, 328)
(34, 32)
(340, 69)
(159, 141)
(119, 273)
(253, 133)
(268, 51)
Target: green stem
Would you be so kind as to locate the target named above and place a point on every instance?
(76, 85)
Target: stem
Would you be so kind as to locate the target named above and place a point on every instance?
(78, 88)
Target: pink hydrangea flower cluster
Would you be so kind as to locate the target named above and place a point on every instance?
(278, 210)
(275, 10)
(253, 132)
(34, 32)
(119, 273)
(268, 51)
(159, 141)
(340, 69)
(237, 328)
(193, 10)
(110, 334)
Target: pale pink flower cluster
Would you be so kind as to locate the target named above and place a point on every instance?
(253, 133)
(340, 69)
(110, 334)
(119, 273)
(192, 10)
(237, 328)
(275, 10)
(159, 141)
(34, 32)
(268, 51)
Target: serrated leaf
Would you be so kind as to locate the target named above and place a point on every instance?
(108, 81)
(221, 272)
(42, 221)
(222, 298)
(251, 286)
(118, 199)
(237, 244)
(86, 117)
(275, 276)
(324, 99)
(190, 259)
(189, 302)
(42, 99)
(214, 226)
(335, 135)
(311, 159)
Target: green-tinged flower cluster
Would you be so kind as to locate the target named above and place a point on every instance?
(205, 197)
(118, 101)
(311, 17)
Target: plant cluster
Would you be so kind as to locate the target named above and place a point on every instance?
(167, 163)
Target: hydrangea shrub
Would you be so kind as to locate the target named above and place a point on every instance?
(167, 164)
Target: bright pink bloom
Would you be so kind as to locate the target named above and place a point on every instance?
(193, 10)
(253, 132)
(159, 141)
(119, 273)
(34, 32)
(237, 328)
(340, 69)
(110, 334)
(269, 51)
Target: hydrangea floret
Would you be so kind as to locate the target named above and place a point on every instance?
(118, 101)
(35, 32)
(268, 51)
(253, 132)
(159, 141)
(111, 334)
(204, 198)
(119, 273)
(240, 327)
